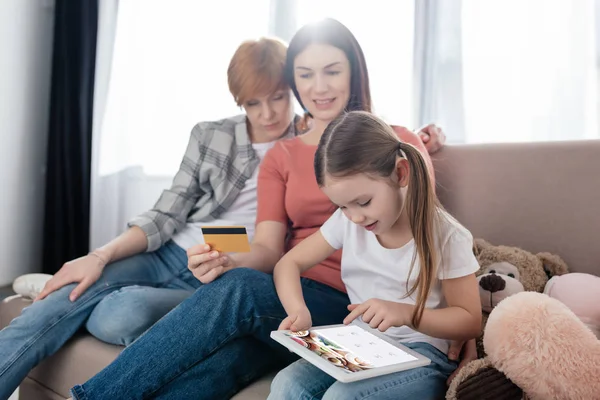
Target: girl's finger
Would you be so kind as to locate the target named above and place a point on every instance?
(358, 311)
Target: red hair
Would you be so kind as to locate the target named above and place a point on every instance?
(257, 69)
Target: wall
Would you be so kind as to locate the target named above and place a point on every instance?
(26, 31)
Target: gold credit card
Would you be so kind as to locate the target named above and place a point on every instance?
(227, 239)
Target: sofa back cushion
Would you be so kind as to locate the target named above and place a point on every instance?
(538, 196)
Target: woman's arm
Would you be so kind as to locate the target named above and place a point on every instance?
(131, 242)
(171, 210)
(87, 269)
(268, 244)
(266, 248)
(272, 219)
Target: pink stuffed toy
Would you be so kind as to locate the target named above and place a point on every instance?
(581, 293)
(543, 346)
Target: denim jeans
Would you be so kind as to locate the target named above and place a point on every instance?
(212, 344)
(122, 316)
(304, 381)
(43, 327)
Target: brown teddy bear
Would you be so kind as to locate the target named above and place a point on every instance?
(504, 271)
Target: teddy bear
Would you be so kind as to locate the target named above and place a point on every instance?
(549, 344)
(504, 271)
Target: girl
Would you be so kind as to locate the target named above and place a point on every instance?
(210, 352)
(407, 265)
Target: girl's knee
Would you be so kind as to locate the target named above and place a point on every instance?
(281, 384)
(300, 380)
(340, 391)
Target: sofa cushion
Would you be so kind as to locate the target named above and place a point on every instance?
(542, 197)
(84, 356)
(11, 308)
(32, 390)
(79, 360)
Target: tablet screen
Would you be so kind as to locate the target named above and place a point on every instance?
(351, 348)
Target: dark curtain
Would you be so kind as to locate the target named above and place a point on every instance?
(67, 208)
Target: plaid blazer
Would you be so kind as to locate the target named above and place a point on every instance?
(218, 160)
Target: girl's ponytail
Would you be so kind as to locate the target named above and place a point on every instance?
(422, 210)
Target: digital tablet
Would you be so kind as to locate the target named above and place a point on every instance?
(349, 352)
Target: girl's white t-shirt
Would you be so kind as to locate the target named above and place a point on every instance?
(370, 270)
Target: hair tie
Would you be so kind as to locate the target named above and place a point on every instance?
(400, 149)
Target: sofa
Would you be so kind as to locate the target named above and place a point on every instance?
(539, 196)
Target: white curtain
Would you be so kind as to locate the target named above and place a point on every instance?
(104, 201)
(510, 70)
(485, 70)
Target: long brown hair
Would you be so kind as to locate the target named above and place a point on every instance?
(360, 143)
(334, 33)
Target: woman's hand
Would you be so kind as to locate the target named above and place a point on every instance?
(433, 137)
(206, 264)
(381, 314)
(299, 320)
(84, 270)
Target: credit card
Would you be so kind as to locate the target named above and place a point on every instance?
(227, 239)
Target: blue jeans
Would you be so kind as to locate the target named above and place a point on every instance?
(213, 344)
(46, 325)
(122, 316)
(304, 381)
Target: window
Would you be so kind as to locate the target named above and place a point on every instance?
(517, 70)
(488, 71)
(169, 71)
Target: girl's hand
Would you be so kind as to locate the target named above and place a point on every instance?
(465, 351)
(207, 265)
(381, 314)
(297, 321)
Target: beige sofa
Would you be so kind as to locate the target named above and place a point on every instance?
(540, 196)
